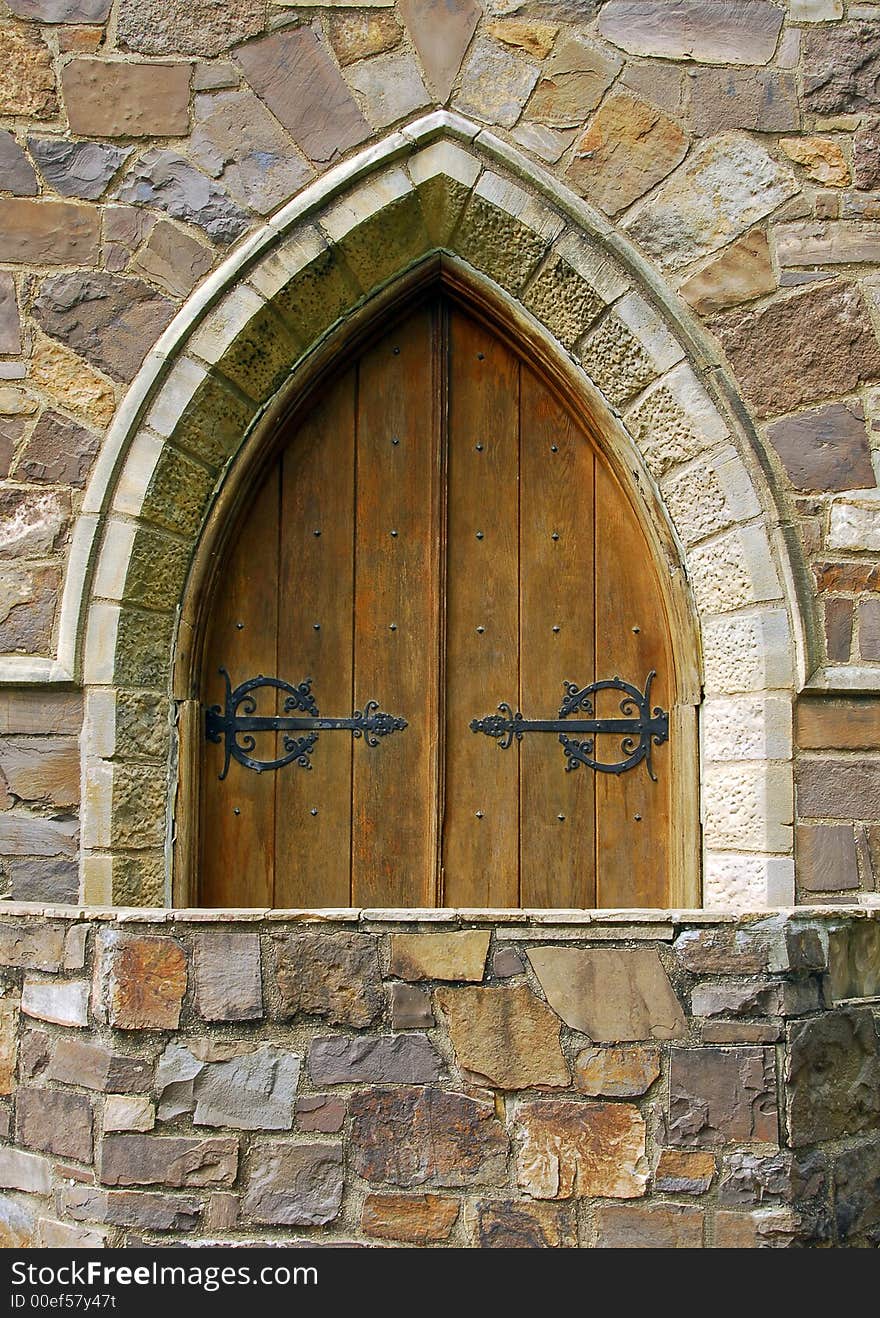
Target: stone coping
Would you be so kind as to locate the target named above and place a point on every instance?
(538, 919)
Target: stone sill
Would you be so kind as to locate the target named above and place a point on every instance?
(845, 680)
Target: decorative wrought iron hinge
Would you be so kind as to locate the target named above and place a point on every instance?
(639, 729)
(234, 726)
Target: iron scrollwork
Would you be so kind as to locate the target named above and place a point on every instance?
(640, 728)
(234, 724)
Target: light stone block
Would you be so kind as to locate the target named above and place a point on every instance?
(746, 883)
(97, 880)
(733, 570)
(748, 807)
(62, 1002)
(674, 421)
(114, 561)
(746, 728)
(297, 251)
(444, 160)
(99, 723)
(25, 1171)
(363, 202)
(176, 394)
(748, 653)
(814, 11)
(140, 466)
(663, 350)
(515, 201)
(696, 503)
(97, 817)
(222, 326)
(600, 272)
(855, 523)
(129, 1112)
(810, 242)
(100, 650)
(75, 947)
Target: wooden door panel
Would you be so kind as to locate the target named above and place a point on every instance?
(481, 822)
(557, 807)
(396, 616)
(316, 598)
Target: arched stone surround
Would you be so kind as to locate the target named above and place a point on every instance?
(214, 377)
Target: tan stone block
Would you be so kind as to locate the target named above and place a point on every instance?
(821, 157)
(129, 1112)
(72, 382)
(531, 35)
(520, 1224)
(649, 1226)
(628, 148)
(616, 1072)
(505, 1036)
(448, 956)
(38, 232)
(359, 35)
(9, 1016)
(764, 1229)
(143, 979)
(610, 994)
(27, 83)
(684, 1171)
(415, 1219)
(108, 98)
(573, 81)
(569, 1149)
(741, 273)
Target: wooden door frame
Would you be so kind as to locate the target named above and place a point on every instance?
(524, 335)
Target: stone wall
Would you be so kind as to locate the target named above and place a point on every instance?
(637, 1080)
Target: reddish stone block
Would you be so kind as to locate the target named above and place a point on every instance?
(721, 1095)
(414, 1219)
(144, 979)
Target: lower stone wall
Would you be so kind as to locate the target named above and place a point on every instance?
(440, 1079)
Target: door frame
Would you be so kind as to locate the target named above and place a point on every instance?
(521, 332)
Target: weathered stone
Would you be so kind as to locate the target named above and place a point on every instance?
(869, 629)
(410, 1007)
(77, 169)
(426, 1136)
(9, 1018)
(152, 1212)
(254, 1091)
(357, 35)
(750, 1179)
(855, 525)
(616, 1072)
(54, 1121)
(107, 98)
(761, 100)
(684, 1171)
(228, 984)
(839, 789)
(72, 382)
(58, 452)
(833, 1074)
(37, 769)
(62, 11)
(168, 1160)
(186, 27)
(822, 159)
(826, 858)
(573, 81)
(321, 1112)
(155, 577)
(293, 74)
(176, 500)
(830, 242)
(609, 994)
(260, 358)
(569, 1149)
(495, 83)
(10, 325)
(410, 1059)
(390, 86)
(27, 82)
(866, 155)
(708, 31)
(137, 806)
(727, 184)
(627, 149)
(841, 66)
(519, 1224)
(35, 835)
(811, 346)
(33, 1053)
(719, 1095)
(741, 273)
(25, 1171)
(165, 179)
(415, 1219)
(295, 1184)
(175, 1076)
(857, 1193)
(333, 976)
(110, 320)
(748, 998)
(16, 171)
(65, 1002)
(531, 35)
(32, 525)
(649, 1226)
(238, 142)
(507, 962)
(63, 1235)
(445, 956)
(838, 629)
(53, 880)
(507, 1037)
(128, 1112)
(32, 946)
(48, 233)
(144, 979)
(854, 961)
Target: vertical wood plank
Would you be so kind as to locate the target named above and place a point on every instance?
(396, 644)
(316, 596)
(557, 808)
(481, 824)
(238, 814)
(632, 637)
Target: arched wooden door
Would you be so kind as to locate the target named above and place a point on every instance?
(437, 538)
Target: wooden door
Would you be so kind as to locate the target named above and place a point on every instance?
(437, 538)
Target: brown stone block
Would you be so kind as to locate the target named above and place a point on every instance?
(106, 98)
(48, 232)
(321, 1112)
(628, 148)
(610, 994)
(741, 273)
(719, 1095)
(409, 1059)
(109, 319)
(856, 1198)
(33, 946)
(616, 1072)
(88, 1063)
(724, 950)
(228, 983)
(9, 1018)
(186, 27)
(854, 961)
(58, 452)
(27, 82)
(833, 1076)
(576, 1149)
(750, 1180)
(741, 1032)
(841, 67)
(41, 769)
(29, 601)
(411, 1137)
(168, 1160)
(826, 857)
(410, 1007)
(767, 1229)
(55, 1121)
(415, 1219)
(869, 630)
(839, 789)
(144, 980)
(825, 449)
(295, 1184)
(152, 1212)
(333, 976)
(838, 724)
(760, 100)
(684, 1171)
(649, 1226)
(506, 1037)
(446, 956)
(518, 1224)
